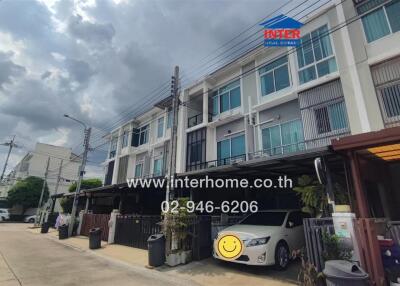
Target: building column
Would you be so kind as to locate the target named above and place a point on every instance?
(361, 200)
(116, 158)
(205, 102)
(112, 223)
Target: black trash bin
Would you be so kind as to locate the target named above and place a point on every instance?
(45, 227)
(156, 247)
(63, 231)
(344, 273)
(95, 238)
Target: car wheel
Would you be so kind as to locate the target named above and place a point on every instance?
(281, 256)
(1, 219)
(31, 220)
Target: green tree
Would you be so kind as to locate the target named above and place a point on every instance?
(86, 184)
(27, 192)
(66, 203)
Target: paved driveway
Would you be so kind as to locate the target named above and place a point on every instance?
(30, 259)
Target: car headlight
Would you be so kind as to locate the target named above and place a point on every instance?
(258, 241)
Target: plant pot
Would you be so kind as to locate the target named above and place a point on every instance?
(186, 256)
(181, 257)
(173, 259)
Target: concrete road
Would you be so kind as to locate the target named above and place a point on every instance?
(30, 259)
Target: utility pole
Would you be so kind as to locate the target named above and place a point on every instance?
(41, 194)
(57, 184)
(80, 176)
(10, 145)
(172, 151)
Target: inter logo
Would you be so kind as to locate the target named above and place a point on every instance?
(281, 31)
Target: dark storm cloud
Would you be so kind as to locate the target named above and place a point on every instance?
(94, 34)
(78, 70)
(96, 61)
(8, 69)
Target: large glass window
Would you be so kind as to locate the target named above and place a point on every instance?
(315, 56)
(380, 21)
(331, 117)
(274, 76)
(283, 138)
(157, 168)
(196, 150)
(226, 98)
(138, 170)
(140, 135)
(160, 127)
(231, 147)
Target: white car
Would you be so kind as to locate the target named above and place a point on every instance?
(4, 215)
(30, 219)
(266, 238)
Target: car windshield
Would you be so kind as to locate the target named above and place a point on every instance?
(265, 218)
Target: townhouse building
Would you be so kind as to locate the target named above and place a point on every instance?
(139, 148)
(62, 171)
(275, 101)
(342, 80)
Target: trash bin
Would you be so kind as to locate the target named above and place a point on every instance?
(63, 231)
(343, 273)
(95, 238)
(45, 227)
(156, 247)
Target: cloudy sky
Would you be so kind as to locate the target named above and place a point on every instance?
(99, 60)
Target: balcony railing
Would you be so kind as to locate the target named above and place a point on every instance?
(197, 119)
(216, 163)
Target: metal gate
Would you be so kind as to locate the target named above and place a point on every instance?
(95, 220)
(314, 228)
(134, 230)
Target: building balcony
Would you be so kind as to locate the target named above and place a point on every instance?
(197, 119)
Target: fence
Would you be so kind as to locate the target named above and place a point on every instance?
(95, 220)
(367, 230)
(134, 230)
(313, 230)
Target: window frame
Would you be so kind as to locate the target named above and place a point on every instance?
(161, 158)
(315, 62)
(125, 138)
(169, 119)
(327, 105)
(281, 146)
(113, 147)
(260, 75)
(160, 120)
(230, 145)
(362, 15)
(139, 163)
(217, 94)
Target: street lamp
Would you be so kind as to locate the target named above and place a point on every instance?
(80, 173)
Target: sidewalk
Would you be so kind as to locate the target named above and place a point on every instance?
(205, 272)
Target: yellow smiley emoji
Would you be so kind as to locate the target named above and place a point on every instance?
(229, 246)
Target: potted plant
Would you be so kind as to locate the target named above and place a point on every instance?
(314, 198)
(178, 238)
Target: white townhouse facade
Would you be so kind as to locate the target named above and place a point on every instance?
(139, 148)
(344, 79)
(63, 167)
